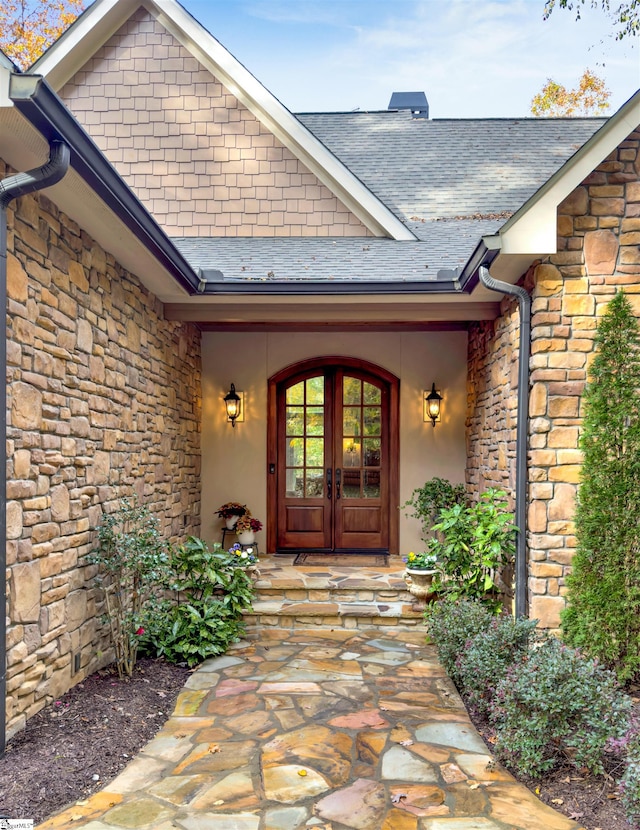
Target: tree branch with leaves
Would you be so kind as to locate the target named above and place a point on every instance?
(625, 16)
(29, 27)
(590, 97)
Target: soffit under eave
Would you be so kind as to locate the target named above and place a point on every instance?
(76, 47)
(320, 312)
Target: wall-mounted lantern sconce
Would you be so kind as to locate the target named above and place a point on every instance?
(235, 405)
(432, 402)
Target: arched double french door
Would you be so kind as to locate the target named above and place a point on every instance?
(333, 457)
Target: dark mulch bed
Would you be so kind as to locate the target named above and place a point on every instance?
(74, 746)
(98, 726)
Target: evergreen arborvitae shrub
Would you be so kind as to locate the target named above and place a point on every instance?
(603, 613)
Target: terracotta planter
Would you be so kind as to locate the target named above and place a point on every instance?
(419, 582)
(231, 522)
(246, 537)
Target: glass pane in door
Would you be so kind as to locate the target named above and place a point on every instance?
(361, 439)
(304, 439)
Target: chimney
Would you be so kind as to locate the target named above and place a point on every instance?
(414, 101)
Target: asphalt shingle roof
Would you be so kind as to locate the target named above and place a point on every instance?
(451, 181)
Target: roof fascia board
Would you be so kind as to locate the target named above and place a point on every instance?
(37, 102)
(314, 288)
(104, 17)
(533, 228)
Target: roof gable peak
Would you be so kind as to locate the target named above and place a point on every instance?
(104, 17)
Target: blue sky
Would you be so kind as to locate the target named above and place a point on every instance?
(473, 58)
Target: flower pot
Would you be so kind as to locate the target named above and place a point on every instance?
(246, 537)
(419, 582)
(231, 522)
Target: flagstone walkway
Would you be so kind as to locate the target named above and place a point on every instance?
(322, 729)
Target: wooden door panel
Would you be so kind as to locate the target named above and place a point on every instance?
(304, 519)
(361, 519)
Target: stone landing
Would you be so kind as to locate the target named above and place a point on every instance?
(350, 597)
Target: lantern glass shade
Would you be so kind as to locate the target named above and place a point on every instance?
(432, 403)
(233, 403)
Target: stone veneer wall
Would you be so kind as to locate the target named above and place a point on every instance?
(598, 252)
(104, 400)
(198, 159)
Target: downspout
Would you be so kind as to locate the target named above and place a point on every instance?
(524, 302)
(11, 188)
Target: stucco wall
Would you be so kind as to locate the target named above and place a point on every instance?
(103, 401)
(598, 252)
(197, 158)
(234, 461)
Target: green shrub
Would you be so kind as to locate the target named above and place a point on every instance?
(427, 501)
(450, 625)
(212, 589)
(476, 542)
(557, 704)
(132, 560)
(630, 784)
(603, 612)
(485, 658)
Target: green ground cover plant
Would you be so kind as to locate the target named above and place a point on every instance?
(603, 612)
(557, 704)
(211, 589)
(548, 703)
(630, 784)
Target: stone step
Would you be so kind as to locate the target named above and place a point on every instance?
(335, 594)
(288, 614)
(332, 598)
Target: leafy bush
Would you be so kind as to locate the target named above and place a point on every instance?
(132, 559)
(476, 542)
(450, 625)
(556, 703)
(212, 590)
(630, 784)
(602, 615)
(427, 501)
(486, 657)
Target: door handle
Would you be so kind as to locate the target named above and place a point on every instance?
(328, 482)
(338, 476)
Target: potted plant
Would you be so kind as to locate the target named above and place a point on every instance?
(231, 512)
(245, 557)
(246, 529)
(419, 573)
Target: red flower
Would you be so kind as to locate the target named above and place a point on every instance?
(140, 631)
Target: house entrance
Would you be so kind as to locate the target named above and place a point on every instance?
(333, 458)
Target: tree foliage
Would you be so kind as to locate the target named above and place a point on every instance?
(625, 16)
(590, 97)
(603, 614)
(28, 27)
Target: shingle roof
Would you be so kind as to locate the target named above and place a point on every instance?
(449, 246)
(451, 181)
(450, 167)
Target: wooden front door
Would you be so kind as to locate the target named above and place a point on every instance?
(333, 475)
